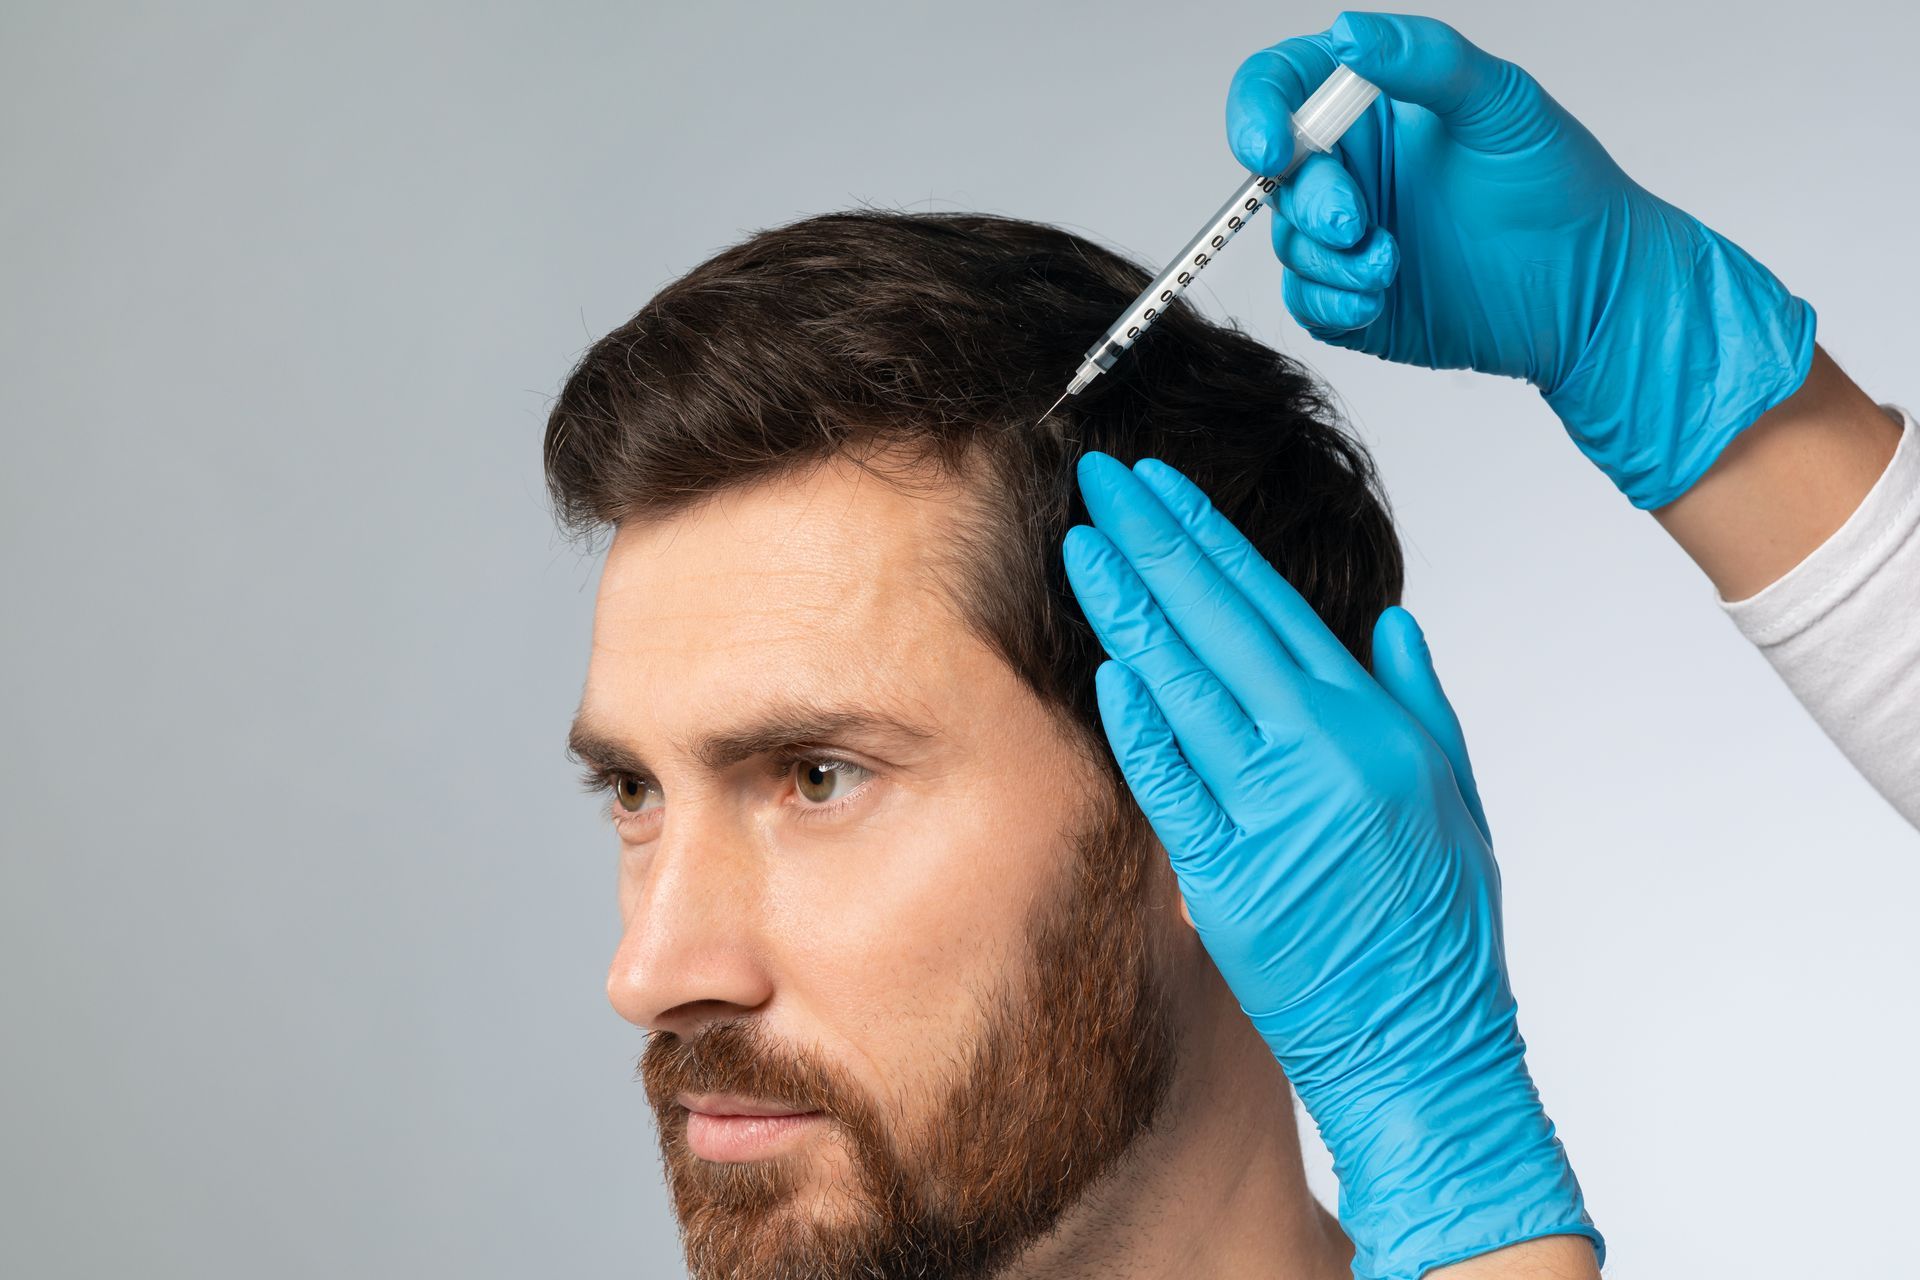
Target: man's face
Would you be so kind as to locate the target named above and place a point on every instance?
(897, 944)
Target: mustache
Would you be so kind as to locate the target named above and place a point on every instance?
(740, 1057)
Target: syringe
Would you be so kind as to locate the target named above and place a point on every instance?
(1317, 125)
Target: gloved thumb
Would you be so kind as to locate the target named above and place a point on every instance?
(1404, 667)
(1486, 103)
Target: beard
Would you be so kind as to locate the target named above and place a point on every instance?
(1067, 1067)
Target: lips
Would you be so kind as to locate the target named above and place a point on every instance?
(731, 1130)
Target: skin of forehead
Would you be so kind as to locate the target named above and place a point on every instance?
(831, 583)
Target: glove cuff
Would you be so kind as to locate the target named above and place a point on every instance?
(1505, 1180)
(1665, 385)
(1450, 1154)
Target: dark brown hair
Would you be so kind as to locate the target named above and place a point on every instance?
(947, 336)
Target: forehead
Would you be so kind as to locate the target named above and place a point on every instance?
(830, 584)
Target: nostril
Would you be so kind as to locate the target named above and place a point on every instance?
(671, 976)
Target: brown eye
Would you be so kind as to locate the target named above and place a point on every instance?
(632, 794)
(819, 781)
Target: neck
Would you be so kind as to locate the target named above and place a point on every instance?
(1217, 1188)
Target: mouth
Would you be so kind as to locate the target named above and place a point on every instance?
(731, 1130)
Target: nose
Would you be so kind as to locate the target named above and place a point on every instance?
(690, 950)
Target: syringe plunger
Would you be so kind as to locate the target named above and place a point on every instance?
(1335, 105)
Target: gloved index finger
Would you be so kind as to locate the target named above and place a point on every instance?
(1207, 611)
(1486, 103)
(1267, 89)
(1321, 198)
(1285, 611)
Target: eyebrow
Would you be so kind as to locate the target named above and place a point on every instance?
(795, 725)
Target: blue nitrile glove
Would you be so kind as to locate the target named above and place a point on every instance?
(1325, 829)
(1476, 225)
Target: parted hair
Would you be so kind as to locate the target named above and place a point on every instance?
(944, 337)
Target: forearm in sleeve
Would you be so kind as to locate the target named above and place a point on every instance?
(1842, 628)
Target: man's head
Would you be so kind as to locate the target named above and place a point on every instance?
(877, 873)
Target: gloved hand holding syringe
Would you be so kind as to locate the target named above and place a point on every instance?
(1317, 125)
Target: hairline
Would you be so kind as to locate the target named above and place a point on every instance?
(921, 468)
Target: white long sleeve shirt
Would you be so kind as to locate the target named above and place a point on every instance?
(1843, 630)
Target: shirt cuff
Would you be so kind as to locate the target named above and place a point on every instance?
(1887, 517)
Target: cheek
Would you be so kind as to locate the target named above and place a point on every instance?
(891, 945)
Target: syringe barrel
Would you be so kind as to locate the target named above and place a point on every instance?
(1180, 273)
(1322, 118)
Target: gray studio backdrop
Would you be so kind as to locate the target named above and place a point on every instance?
(303, 922)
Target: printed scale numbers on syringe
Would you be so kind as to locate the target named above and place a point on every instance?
(1233, 215)
(1318, 124)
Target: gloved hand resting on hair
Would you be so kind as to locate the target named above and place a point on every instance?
(1329, 842)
